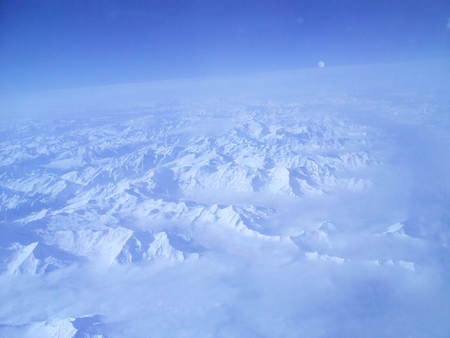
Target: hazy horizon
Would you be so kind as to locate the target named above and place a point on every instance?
(52, 44)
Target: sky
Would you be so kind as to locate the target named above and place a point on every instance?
(51, 44)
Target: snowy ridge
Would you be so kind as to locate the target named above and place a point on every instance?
(132, 168)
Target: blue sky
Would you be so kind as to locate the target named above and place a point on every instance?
(51, 44)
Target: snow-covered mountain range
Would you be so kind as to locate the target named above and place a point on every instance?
(228, 219)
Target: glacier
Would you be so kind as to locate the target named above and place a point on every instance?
(311, 203)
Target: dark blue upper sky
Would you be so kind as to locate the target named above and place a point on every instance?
(70, 43)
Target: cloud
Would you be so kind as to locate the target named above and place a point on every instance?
(225, 297)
